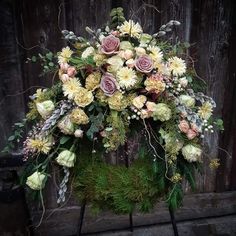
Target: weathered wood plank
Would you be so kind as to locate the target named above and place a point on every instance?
(212, 20)
(64, 221)
(11, 98)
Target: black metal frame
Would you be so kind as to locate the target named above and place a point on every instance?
(131, 227)
(81, 219)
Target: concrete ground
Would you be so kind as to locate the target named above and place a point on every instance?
(220, 226)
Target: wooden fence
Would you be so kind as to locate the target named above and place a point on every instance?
(29, 27)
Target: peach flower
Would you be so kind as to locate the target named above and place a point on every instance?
(184, 126)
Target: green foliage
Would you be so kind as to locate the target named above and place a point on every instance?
(175, 196)
(81, 63)
(16, 136)
(118, 188)
(49, 94)
(96, 122)
(47, 61)
(219, 124)
(117, 17)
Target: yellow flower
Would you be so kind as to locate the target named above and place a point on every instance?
(117, 102)
(71, 88)
(154, 85)
(101, 96)
(177, 66)
(205, 111)
(99, 59)
(64, 55)
(83, 97)
(79, 117)
(36, 180)
(92, 81)
(214, 164)
(139, 101)
(42, 145)
(126, 77)
(130, 28)
(176, 178)
(156, 54)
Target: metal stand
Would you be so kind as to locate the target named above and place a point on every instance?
(81, 218)
(173, 222)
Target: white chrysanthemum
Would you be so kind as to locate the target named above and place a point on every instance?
(162, 68)
(177, 66)
(64, 55)
(126, 77)
(155, 53)
(130, 28)
(205, 111)
(71, 88)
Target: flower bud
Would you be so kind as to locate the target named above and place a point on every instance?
(79, 133)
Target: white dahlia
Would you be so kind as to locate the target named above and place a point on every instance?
(155, 53)
(71, 88)
(126, 77)
(131, 28)
(177, 66)
(64, 55)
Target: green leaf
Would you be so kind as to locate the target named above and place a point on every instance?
(51, 64)
(64, 139)
(34, 59)
(11, 138)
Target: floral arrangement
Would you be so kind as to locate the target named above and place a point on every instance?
(122, 83)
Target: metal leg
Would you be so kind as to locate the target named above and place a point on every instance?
(81, 219)
(131, 222)
(172, 217)
(127, 165)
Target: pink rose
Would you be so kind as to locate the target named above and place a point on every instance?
(64, 67)
(64, 78)
(144, 64)
(71, 71)
(194, 128)
(108, 84)
(110, 45)
(183, 126)
(191, 134)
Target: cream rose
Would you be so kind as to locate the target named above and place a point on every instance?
(66, 158)
(139, 101)
(36, 180)
(45, 108)
(65, 125)
(84, 97)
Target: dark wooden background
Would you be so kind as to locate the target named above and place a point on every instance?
(28, 27)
